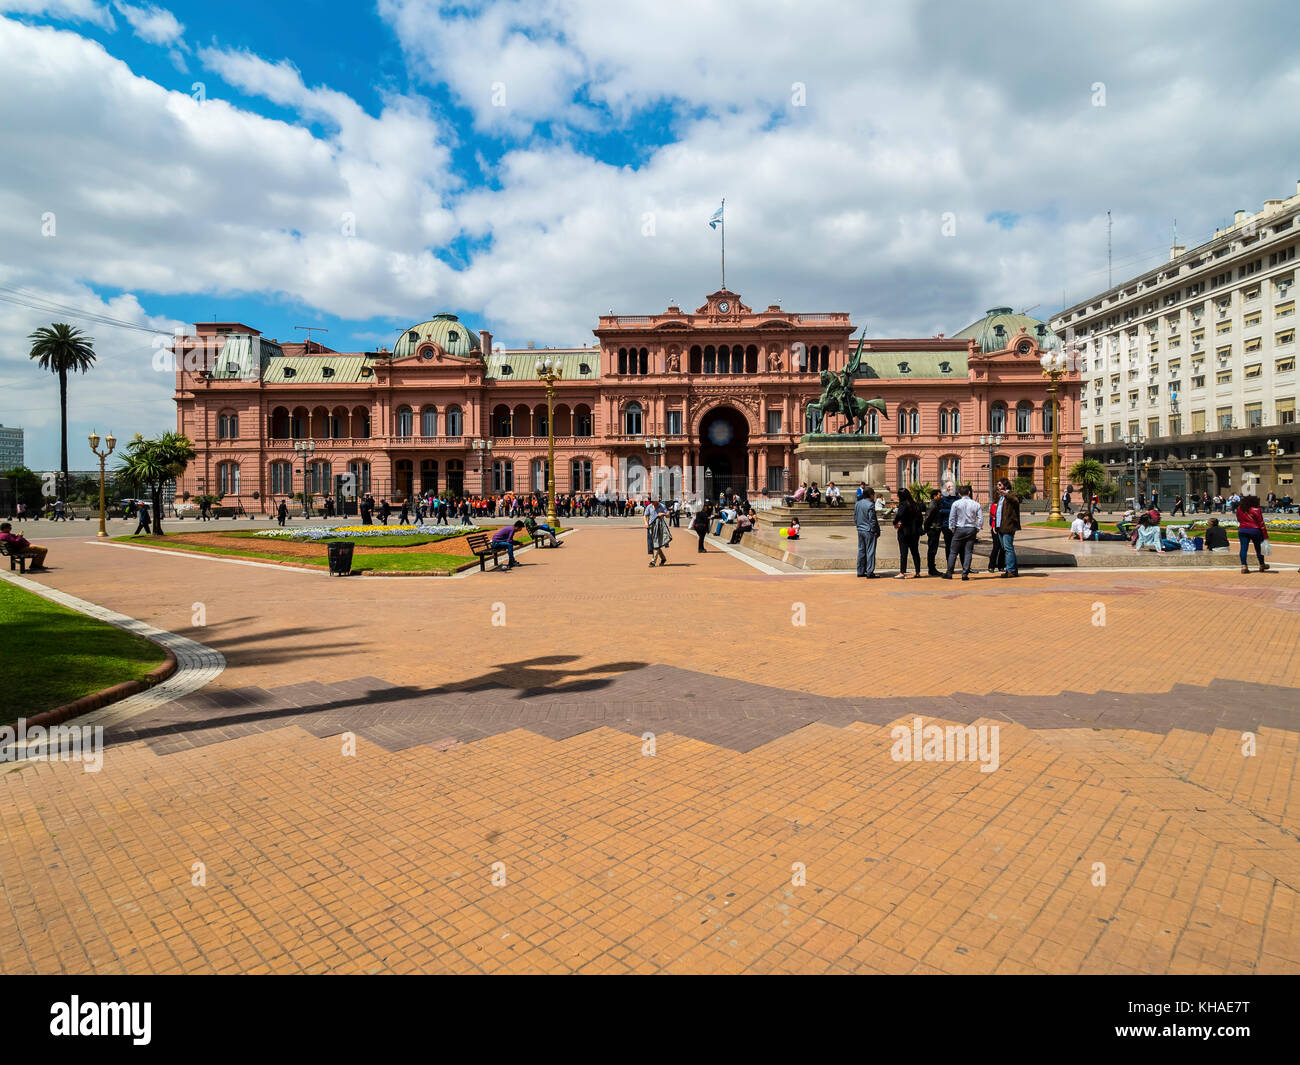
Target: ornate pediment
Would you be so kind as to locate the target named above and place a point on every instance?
(724, 306)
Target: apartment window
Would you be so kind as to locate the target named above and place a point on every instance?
(1132, 428)
(1174, 366)
(675, 422)
(1198, 421)
(1153, 427)
(1254, 415)
(1224, 352)
(1284, 310)
(1114, 382)
(1133, 398)
(1251, 293)
(1254, 369)
(1197, 335)
(1224, 327)
(1153, 393)
(1223, 377)
(1224, 417)
(1115, 435)
(1098, 436)
(1253, 345)
(1175, 425)
(1254, 318)
(1286, 365)
(1287, 336)
(1175, 341)
(1286, 411)
(1198, 380)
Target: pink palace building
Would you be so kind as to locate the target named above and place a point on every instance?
(722, 390)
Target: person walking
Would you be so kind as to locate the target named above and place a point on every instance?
(868, 526)
(657, 534)
(907, 522)
(282, 512)
(205, 505)
(700, 524)
(1178, 507)
(1007, 525)
(1251, 529)
(936, 525)
(965, 519)
(404, 515)
(143, 522)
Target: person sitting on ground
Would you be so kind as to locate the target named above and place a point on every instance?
(1095, 533)
(1079, 527)
(814, 495)
(535, 528)
(744, 524)
(1148, 535)
(1216, 536)
(800, 495)
(794, 530)
(833, 498)
(21, 546)
(505, 537)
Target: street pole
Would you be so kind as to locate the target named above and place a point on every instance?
(991, 444)
(111, 441)
(549, 371)
(1054, 365)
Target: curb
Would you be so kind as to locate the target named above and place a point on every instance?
(115, 693)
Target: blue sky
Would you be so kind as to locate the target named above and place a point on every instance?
(529, 165)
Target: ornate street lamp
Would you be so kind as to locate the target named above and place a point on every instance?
(548, 372)
(111, 441)
(991, 444)
(482, 448)
(1055, 364)
(1274, 450)
(1134, 443)
(656, 447)
(305, 448)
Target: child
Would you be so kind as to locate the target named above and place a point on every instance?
(794, 530)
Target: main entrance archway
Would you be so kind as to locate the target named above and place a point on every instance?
(724, 440)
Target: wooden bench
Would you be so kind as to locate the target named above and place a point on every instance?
(483, 548)
(541, 538)
(18, 557)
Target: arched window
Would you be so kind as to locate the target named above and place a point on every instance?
(1047, 418)
(724, 359)
(998, 418)
(279, 427)
(909, 471)
(949, 470)
(622, 360)
(710, 359)
(949, 421)
(909, 421)
(281, 479)
(539, 421)
(404, 421)
(359, 472)
(428, 475)
(825, 361)
(873, 422)
(540, 469)
(321, 477)
(644, 365)
(503, 476)
(501, 420)
(298, 424)
(1024, 416)
(582, 421)
(361, 423)
(429, 421)
(751, 359)
(737, 359)
(455, 421)
(228, 478)
(632, 419)
(227, 426)
(580, 475)
(696, 360)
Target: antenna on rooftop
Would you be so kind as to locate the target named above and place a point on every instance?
(1028, 309)
(1110, 281)
(311, 329)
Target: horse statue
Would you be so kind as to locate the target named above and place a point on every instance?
(838, 398)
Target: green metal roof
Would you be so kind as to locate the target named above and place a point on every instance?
(984, 332)
(445, 330)
(888, 365)
(310, 369)
(522, 365)
(243, 357)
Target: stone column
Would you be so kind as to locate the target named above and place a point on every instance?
(762, 470)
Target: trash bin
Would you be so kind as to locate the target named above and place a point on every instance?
(340, 552)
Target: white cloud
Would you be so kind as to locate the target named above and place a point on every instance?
(68, 10)
(154, 25)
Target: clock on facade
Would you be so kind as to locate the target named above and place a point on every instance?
(724, 306)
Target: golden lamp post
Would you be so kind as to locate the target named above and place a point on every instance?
(1055, 364)
(111, 441)
(548, 372)
(1274, 450)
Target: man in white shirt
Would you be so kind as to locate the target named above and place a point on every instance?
(965, 519)
(1078, 528)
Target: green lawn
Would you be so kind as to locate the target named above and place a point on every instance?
(416, 560)
(53, 655)
(396, 540)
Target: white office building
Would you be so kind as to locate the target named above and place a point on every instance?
(1196, 359)
(11, 447)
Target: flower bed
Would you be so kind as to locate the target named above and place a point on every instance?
(321, 532)
(1281, 525)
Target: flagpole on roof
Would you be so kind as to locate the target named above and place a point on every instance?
(724, 243)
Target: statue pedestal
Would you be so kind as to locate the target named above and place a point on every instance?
(843, 458)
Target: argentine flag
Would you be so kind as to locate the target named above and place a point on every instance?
(716, 217)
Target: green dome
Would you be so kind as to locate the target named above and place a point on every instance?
(445, 330)
(985, 331)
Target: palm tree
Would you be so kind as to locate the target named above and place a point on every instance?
(1089, 475)
(61, 348)
(149, 464)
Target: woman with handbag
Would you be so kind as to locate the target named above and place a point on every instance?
(907, 521)
(1252, 530)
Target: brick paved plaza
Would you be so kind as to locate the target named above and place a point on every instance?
(501, 810)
